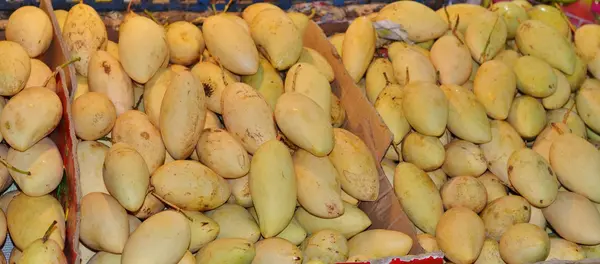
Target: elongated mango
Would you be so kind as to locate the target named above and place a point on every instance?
(551, 16)
(304, 123)
(535, 77)
(358, 47)
(273, 187)
(495, 86)
(527, 116)
(306, 79)
(316, 59)
(251, 11)
(581, 225)
(420, 22)
(252, 128)
(231, 44)
(389, 107)
(319, 189)
(588, 103)
(544, 42)
(512, 14)
(486, 36)
(419, 196)
(452, 60)
(576, 163)
(182, 115)
(352, 222)
(275, 33)
(83, 33)
(164, 238)
(355, 165)
(410, 66)
(466, 116)
(531, 175)
(426, 108)
(143, 48)
(380, 243)
(379, 74)
(505, 140)
(460, 235)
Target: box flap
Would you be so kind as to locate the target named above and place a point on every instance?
(365, 122)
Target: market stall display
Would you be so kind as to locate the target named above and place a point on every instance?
(220, 136)
(493, 112)
(206, 123)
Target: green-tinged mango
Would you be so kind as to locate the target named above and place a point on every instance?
(467, 117)
(537, 39)
(513, 15)
(419, 196)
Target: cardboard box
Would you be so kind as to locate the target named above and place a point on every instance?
(64, 137)
(362, 120)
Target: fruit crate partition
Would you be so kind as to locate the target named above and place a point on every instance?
(167, 5)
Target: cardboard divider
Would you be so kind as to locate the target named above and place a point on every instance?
(364, 121)
(64, 137)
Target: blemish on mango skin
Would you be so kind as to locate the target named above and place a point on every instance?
(208, 89)
(145, 135)
(106, 67)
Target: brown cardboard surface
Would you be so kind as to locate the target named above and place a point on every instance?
(363, 120)
(64, 137)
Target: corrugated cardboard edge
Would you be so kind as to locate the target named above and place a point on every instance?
(363, 120)
(64, 136)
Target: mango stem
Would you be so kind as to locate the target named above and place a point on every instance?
(49, 231)
(559, 7)
(456, 28)
(313, 12)
(139, 101)
(560, 131)
(171, 205)
(447, 17)
(148, 13)
(222, 71)
(387, 80)
(564, 121)
(13, 168)
(55, 72)
(227, 6)
(129, 6)
(487, 42)
(105, 138)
